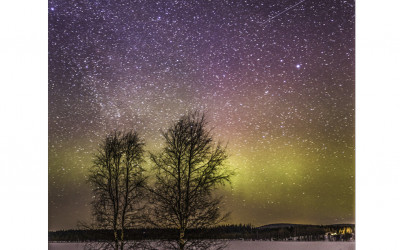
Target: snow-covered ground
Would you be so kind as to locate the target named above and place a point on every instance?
(279, 245)
(253, 245)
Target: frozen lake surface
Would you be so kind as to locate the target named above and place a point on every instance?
(253, 245)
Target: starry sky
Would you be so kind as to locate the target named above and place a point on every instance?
(275, 78)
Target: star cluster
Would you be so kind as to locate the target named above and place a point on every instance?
(275, 78)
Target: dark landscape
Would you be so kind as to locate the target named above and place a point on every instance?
(273, 232)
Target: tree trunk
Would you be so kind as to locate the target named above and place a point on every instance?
(122, 239)
(181, 239)
(116, 239)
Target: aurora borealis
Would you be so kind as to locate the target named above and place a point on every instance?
(275, 78)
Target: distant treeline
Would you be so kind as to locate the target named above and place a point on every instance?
(344, 232)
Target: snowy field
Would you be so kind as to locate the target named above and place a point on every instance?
(258, 245)
(253, 245)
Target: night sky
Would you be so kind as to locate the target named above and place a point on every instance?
(275, 78)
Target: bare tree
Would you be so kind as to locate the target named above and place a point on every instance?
(118, 182)
(187, 171)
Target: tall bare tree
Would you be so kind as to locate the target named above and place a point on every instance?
(118, 182)
(187, 171)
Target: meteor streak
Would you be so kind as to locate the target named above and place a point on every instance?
(286, 10)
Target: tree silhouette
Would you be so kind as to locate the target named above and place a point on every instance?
(117, 182)
(187, 171)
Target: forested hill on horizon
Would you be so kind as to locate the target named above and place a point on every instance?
(284, 225)
(267, 226)
(279, 231)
